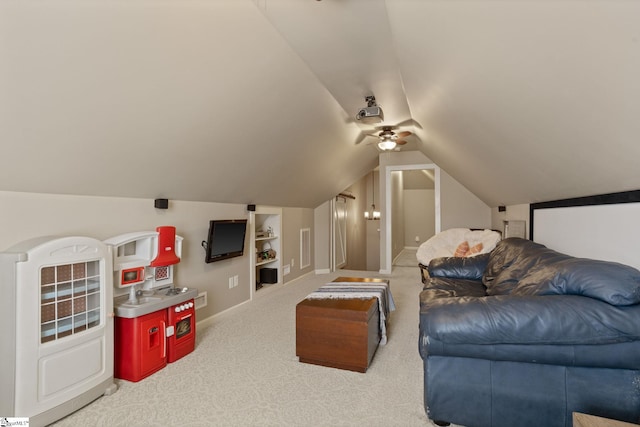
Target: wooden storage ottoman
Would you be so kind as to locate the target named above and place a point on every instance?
(339, 333)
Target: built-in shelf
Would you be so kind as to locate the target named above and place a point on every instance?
(266, 261)
(266, 222)
(261, 239)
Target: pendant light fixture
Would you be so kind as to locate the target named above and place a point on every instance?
(372, 213)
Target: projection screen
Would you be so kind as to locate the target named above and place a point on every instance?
(605, 227)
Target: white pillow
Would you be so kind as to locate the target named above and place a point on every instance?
(441, 245)
(445, 243)
(488, 238)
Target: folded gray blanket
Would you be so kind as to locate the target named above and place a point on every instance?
(363, 290)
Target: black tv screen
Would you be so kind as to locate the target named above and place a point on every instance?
(225, 239)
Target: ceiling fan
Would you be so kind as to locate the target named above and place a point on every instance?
(387, 138)
(390, 139)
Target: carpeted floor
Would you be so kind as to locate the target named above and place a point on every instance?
(406, 258)
(244, 372)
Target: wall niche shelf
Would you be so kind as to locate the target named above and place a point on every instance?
(261, 239)
(266, 261)
(265, 230)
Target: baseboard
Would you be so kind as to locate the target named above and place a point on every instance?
(209, 320)
(298, 278)
(323, 271)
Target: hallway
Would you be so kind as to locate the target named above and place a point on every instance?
(406, 258)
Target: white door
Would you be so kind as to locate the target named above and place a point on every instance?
(339, 233)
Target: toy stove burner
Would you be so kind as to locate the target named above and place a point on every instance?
(174, 291)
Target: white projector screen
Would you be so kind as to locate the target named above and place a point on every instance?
(603, 227)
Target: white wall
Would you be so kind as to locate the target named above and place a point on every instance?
(373, 245)
(322, 237)
(460, 207)
(356, 224)
(513, 212)
(397, 214)
(419, 214)
(27, 215)
(293, 220)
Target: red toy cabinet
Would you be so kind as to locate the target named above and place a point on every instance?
(140, 345)
(182, 323)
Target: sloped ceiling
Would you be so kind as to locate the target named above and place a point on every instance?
(253, 101)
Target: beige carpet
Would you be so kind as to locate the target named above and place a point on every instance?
(244, 372)
(407, 258)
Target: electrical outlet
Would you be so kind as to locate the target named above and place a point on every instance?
(230, 282)
(293, 262)
(235, 280)
(287, 269)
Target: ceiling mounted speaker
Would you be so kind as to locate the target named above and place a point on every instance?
(161, 203)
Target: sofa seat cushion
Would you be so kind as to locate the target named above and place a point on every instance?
(613, 356)
(531, 320)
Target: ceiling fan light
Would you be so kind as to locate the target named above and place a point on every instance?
(387, 144)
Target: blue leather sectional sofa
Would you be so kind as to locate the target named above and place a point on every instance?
(524, 336)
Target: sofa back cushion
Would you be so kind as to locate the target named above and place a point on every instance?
(508, 262)
(522, 267)
(617, 284)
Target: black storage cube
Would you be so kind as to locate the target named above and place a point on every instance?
(268, 275)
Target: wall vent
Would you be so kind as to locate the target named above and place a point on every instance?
(305, 247)
(201, 300)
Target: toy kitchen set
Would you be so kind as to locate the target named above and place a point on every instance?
(155, 320)
(59, 333)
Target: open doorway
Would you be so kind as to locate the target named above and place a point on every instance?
(356, 225)
(340, 218)
(393, 226)
(413, 199)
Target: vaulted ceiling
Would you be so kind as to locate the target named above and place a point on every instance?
(253, 101)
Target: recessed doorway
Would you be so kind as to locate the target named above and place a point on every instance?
(393, 228)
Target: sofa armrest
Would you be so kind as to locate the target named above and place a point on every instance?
(554, 319)
(469, 268)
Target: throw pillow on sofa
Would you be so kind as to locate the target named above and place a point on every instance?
(462, 249)
(474, 250)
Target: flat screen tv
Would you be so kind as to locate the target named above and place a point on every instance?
(225, 239)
